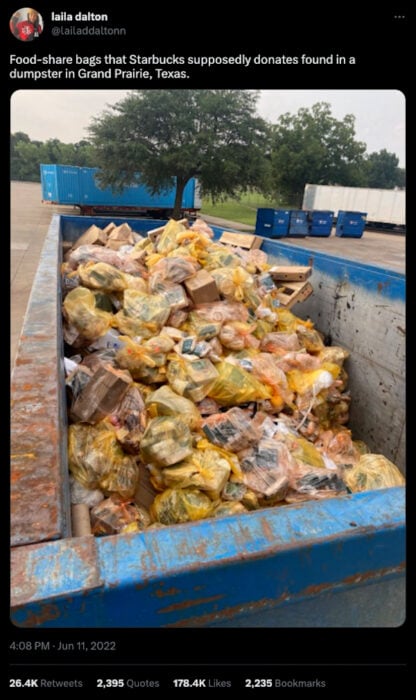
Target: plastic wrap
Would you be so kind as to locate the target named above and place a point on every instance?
(236, 335)
(129, 420)
(175, 269)
(113, 516)
(232, 430)
(221, 312)
(266, 468)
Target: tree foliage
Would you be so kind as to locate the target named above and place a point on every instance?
(382, 170)
(313, 146)
(165, 137)
(27, 155)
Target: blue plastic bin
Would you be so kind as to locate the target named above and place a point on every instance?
(272, 223)
(351, 224)
(299, 224)
(320, 223)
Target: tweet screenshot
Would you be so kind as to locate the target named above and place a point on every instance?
(207, 479)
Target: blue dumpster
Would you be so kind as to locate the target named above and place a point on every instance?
(272, 223)
(320, 223)
(299, 224)
(330, 563)
(350, 224)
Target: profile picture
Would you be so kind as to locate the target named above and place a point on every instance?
(26, 24)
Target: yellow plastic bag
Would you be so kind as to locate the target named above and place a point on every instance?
(102, 276)
(313, 381)
(181, 506)
(80, 311)
(167, 239)
(286, 321)
(166, 402)
(191, 379)
(166, 441)
(204, 469)
(219, 256)
(373, 471)
(142, 314)
(310, 339)
(145, 360)
(228, 508)
(96, 460)
(232, 283)
(235, 386)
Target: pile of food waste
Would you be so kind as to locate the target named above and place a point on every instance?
(193, 389)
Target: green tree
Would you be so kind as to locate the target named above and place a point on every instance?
(162, 138)
(26, 155)
(312, 146)
(383, 171)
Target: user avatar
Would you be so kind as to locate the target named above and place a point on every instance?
(26, 24)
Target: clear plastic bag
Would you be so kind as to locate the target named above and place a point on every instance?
(232, 430)
(114, 516)
(266, 468)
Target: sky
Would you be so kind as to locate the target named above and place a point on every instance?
(65, 114)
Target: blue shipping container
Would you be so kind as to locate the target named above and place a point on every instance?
(60, 184)
(320, 223)
(272, 223)
(64, 184)
(134, 195)
(327, 563)
(299, 225)
(350, 224)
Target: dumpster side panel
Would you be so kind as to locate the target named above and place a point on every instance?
(39, 472)
(190, 575)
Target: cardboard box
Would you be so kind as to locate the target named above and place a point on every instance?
(242, 240)
(93, 235)
(202, 288)
(122, 233)
(291, 293)
(109, 228)
(290, 273)
(101, 395)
